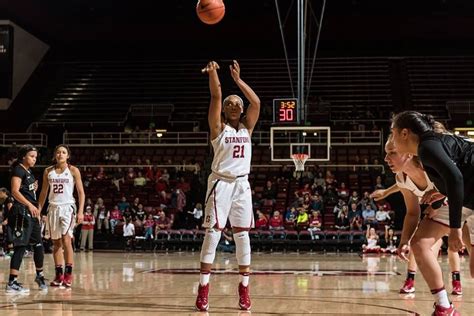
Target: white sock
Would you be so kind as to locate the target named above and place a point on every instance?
(244, 279)
(441, 298)
(204, 278)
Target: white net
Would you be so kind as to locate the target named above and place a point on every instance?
(299, 161)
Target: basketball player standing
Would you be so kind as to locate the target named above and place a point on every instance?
(228, 194)
(60, 180)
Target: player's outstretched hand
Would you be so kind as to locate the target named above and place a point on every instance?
(235, 70)
(403, 251)
(378, 195)
(210, 67)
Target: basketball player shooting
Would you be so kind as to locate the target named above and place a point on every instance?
(228, 192)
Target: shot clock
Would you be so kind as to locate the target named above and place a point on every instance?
(285, 110)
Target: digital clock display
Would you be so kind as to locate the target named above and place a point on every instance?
(285, 110)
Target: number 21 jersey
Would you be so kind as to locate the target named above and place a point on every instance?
(232, 152)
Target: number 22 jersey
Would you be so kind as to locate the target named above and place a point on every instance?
(61, 187)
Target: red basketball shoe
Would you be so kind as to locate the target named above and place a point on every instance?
(67, 280)
(244, 297)
(408, 287)
(202, 300)
(445, 311)
(457, 289)
(58, 280)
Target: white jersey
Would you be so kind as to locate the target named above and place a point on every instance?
(232, 152)
(404, 182)
(61, 187)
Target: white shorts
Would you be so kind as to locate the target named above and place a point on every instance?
(442, 216)
(61, 219)
(470, 226)
(228, 199)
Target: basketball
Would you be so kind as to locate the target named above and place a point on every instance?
(210, 11)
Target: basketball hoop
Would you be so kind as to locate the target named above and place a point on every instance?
(299, 160)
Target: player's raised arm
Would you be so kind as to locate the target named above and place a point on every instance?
(215, 106)
(253, 112)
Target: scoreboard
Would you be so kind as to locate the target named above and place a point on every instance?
(285, 110)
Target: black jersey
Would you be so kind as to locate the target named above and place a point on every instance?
(449, 162)
(27, 183)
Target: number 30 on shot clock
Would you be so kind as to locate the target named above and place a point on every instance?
(285, 110)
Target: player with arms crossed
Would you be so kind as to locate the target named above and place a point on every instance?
(228, 194)
(60, 180)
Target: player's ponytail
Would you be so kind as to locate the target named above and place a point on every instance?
(22, 152)
(415, 121)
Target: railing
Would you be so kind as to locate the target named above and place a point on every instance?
(137, 139)
(37, 139)
(338, 138)
(461, 107)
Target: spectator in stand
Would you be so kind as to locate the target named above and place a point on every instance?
(87, 232)
(183, 185)
(150, 173)
(317, 203)
(139, 181)
(114, 156)
(372, 240)
(165, 176)
(163, 222)
(149, 225)
(102, 215)
(307, 203)
(134, 206)
(158, 173)
(130, 174)
(343, 192)
(302, 221)
(140, 215)
(290, 218)
(285, 173)
(276, 222)
(128, 213)
(354, 198)
(226, 244)
(115, 218)
(315, 224)
(262, 221)
(391, 240)
(89, 203)
(355, 218)
(101, 175)
(330, 179)
(366, 199)
(379, 184)
(197, 216)
(319, 184)
(106, 155)
(338, 208)
(382, 215)
(180, 200)
(269, 194)
(123, 204)
(88, 177)
(368, 214)
(330, 196)
(342, 219)
(118, 178)
(129, 234)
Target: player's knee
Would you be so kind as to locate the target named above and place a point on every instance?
(57, 243)
(418, 245)
(209, 245)
(242, 247)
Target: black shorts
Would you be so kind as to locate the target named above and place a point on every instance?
(23, 229)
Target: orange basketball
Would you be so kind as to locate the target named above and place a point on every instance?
(210, 11)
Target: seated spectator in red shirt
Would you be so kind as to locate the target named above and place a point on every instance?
(343, 192)
(315, 224)
(262, 222)
(163, 222)
(330, 179)
(115, 218)
(131, 174)
(304, 191)
(276, 222)
(101, 174)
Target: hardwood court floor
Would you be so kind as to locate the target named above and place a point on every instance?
(282, 284)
